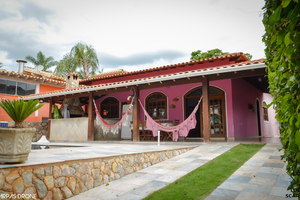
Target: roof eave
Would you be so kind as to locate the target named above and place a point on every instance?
(152, 80)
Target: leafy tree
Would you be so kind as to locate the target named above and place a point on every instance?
(65, 66)
(248, 55)
(198, 55)
(82, 57)
(42, 60)
(282, 39)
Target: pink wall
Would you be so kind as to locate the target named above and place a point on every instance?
(245, 121)
(179, 91)
(122, 97)
(270, 128)
(240, 121)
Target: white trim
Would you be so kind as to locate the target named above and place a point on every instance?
(257, 99)
(263, 112)
(153, 80)
(166, 105)
(37, 90)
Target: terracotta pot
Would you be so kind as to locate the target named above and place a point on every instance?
(15, 144)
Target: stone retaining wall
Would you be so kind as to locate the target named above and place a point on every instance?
(63, 180)
(41, 129)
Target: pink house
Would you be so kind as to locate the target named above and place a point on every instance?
(234, 89)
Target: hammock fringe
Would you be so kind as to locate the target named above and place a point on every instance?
(115, 127)
(181, 130)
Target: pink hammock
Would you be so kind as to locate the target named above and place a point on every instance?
(115, 127)
(181, 130)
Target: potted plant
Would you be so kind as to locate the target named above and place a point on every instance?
(15, 142)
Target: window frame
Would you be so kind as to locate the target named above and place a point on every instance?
(109, 104)
(147, 101)
(16, 88)
(265, 111)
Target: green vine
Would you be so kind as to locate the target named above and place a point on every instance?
(282, 39)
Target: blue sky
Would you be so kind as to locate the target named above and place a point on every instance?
(131, 34)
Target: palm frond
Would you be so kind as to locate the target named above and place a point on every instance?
(18, 110)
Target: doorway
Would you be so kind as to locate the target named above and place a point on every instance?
(258, 117)
(216, 109)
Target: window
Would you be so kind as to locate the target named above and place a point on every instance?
(110, 108)
(16, 88)
(156, 105)
(265, 112)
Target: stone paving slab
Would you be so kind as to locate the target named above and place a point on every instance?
(262, 177)
(146, 181)
(254, 180)
(93, 150)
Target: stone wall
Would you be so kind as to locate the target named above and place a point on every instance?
(41, 128)
(64, 180)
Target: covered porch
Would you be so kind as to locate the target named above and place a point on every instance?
(252, 72)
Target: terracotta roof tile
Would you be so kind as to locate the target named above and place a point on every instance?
(239, 54)
(149, 78)
(34, 77)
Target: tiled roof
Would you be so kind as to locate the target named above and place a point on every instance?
(42, 73)
(124, 73)
(117, 71)
(32, 76)
(212, 70)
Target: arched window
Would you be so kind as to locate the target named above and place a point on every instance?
(156, 105)
(265, 111)
(110, 108)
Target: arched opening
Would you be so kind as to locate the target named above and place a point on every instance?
(216, 109)
(156, 105)
(258, 117)
(109, 108)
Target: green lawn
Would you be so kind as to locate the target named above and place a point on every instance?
(199, 183)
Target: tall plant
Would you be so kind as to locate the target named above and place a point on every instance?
(282, 39)
(41, 59)
(82, 57)
(18, 110)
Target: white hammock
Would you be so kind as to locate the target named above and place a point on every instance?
(112, 128)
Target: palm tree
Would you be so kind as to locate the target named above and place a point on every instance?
(81, 55)
(0, 64)
(65, 66)
(42, 60)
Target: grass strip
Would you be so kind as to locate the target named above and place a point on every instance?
(199, 183)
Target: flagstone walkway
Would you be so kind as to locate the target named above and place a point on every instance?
(262, 177)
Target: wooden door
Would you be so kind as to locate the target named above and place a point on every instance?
(217, 116)
(216, 108)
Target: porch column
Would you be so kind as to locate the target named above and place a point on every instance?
(136, 115)
(52, 102)
(206, 114)
(91, 118)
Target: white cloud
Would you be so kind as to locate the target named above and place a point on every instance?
(124, 29)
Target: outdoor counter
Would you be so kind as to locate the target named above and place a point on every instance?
(76, 130)
(69, 129)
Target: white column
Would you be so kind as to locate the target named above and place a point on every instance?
(37, 90)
